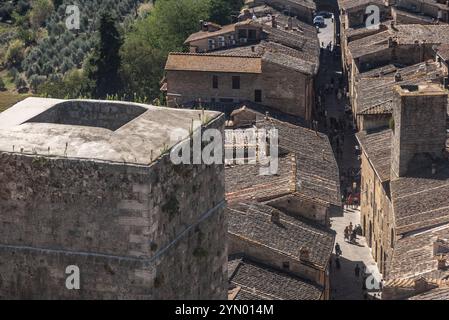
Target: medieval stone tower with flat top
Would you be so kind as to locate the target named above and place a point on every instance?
(419, 134)
(90, 185)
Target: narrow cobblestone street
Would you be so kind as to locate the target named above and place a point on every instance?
(344, 283)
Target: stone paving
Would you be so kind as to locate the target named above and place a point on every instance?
(345, 285)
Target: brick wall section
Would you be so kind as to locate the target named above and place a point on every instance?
(113, 221)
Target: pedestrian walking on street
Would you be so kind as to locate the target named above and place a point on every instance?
(357, 271)
(346, 233)
(354, 236)
(338, 250)
(350, 227)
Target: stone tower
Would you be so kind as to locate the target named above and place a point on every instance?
(90, 190)
(419, 135)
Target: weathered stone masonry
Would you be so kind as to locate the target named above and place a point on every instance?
(135, 231)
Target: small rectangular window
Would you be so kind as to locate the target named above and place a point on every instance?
(258, 95)
(215, 82)
(252, 34)
(211, 43)
(235, 82)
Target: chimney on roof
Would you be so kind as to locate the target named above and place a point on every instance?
(290, 23)
(274, 22)
(304, 254)
(397, 77)
(442, 259)
(275, 216)
(253, 48)
(267, 115)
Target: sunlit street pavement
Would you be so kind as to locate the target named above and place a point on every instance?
(344, 283)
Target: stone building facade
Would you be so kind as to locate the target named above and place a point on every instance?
(404, 189)
(270, 59)
(212, 79)
(139, 228)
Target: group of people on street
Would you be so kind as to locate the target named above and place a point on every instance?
(349, 182)
(350, 233)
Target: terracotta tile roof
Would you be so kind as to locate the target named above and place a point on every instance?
(421, 200)
(278, 54)
(434, 294)
(252, 221)
(377, 147)
(206, 34)
(254, 281)
(443, 52)
(368, 45)
(403, 35)
(374, 89)
(307, 168)
(316, 168)
(413, 255)
(416, 17)
(296, 49)
(355, 4)
(213, 63)
(410, 282)
(431, 34)
(244, 182)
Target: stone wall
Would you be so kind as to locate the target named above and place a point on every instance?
(308, 208)
(372, 122)
(282, 89)
(420, 130)
(376, 216)
(140, 232)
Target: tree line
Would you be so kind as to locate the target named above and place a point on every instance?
(117, 52)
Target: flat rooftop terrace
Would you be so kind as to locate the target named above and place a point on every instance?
(93, 129)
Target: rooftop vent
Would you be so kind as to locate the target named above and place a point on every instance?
(275, 216)
(304, 254)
